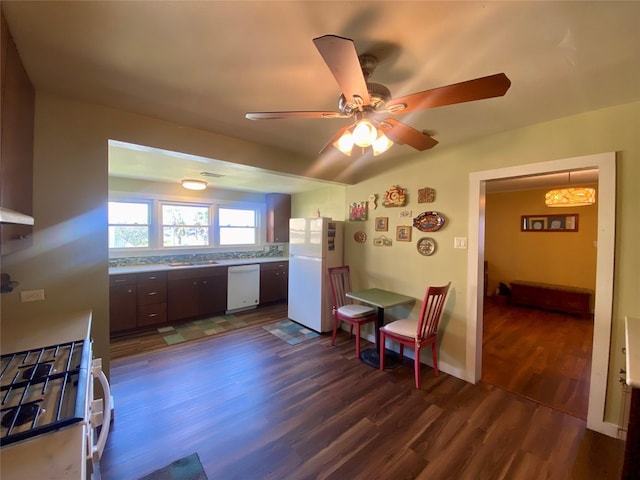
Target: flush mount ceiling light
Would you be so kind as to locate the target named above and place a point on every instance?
(194, 184)
(570, 196)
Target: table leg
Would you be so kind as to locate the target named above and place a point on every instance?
(371, 356)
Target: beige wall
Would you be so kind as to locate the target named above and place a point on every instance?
(561, 258)
(69, 257)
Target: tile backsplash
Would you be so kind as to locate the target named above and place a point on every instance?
(271, 251)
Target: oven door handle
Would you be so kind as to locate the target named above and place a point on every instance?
(106, 412)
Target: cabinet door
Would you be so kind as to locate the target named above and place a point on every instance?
(269, 286)
(123, 308)
(182, 298)
(274, 286)
(16, 145)
(213, 291)
(278, 214)
(153, 314)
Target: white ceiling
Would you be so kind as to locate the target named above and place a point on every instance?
(205, 64)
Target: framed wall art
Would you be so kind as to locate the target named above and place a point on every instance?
(358, 211)
(549, 223)
(382, 241)
(395, 197)
(382, 224)
(403, 233)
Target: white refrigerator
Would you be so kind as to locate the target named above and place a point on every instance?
(315, 244)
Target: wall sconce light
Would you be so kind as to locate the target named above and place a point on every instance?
(570, 196)
(194, 184)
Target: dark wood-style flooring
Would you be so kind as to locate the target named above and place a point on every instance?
(254, 407)
(544, 356)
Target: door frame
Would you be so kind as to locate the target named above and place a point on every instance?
(605, 163)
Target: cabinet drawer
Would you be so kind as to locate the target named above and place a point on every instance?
(265, 267)
(124, 279)
(151, 278)
(149, 294)
(152, 314)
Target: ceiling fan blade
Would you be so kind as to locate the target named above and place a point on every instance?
(342, 59)
(277, 115)
(485, 87)
(401, 133)
(334, 139)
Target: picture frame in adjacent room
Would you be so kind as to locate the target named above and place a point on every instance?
(549, 223)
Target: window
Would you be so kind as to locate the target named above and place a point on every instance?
(128, 224)
(237, 226)
(185, 225)
(154, 224)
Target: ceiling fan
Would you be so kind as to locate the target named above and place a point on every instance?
(371, 105)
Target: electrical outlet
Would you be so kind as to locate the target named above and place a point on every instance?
(32, 295)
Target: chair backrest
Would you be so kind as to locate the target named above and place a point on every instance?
(340, 281)
(431, 311)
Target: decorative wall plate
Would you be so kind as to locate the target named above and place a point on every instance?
(429, 222)
(426, 246)
(360, 236)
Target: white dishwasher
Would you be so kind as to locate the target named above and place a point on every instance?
(243, 287)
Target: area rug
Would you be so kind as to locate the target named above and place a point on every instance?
(291, 332)
(200, 328)
(187, 468)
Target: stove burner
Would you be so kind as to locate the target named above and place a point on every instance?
(37, 371)
(24, 414)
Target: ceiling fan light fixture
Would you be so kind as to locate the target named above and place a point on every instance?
(382, 144)
(570, 197)
(194, 184)
(345, 143)
(364, 134)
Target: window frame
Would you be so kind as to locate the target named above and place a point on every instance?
(156, 228)
(148, 225)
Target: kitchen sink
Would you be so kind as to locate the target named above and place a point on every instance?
(192, 264)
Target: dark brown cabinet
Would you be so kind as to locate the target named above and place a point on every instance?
(137, 301)
(274, 281)
(16, 140)
(195, 292)
(278, 215)
(152, 298)
(123, 303)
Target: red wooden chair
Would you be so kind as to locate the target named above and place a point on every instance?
(344, 310)
(420, 332)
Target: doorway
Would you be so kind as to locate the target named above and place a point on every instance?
(605, 164)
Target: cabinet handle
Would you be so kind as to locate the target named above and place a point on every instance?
(130, 290)
(152, 277)
(153, 315)
(195, 283)
(119, 281)
(152, 293)
(204, 282)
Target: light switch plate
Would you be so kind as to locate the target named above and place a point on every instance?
(460, 242)
(32, 295)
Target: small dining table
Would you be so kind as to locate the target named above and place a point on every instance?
(380, 299)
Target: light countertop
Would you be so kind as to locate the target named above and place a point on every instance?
(38, 332)
(632, 345)
(159, 267)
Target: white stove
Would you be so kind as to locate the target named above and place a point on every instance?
(47, 413)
